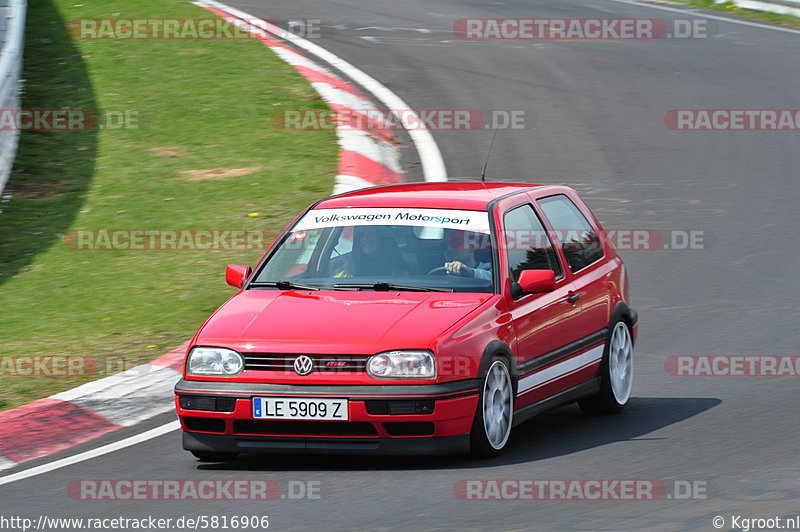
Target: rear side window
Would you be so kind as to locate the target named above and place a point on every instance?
(528, 246)
(578, 240)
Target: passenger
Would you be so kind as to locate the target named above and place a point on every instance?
(375, 253)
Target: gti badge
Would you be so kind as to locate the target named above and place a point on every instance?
(303, 365)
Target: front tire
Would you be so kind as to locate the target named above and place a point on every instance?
(495, 412)
(616, 373)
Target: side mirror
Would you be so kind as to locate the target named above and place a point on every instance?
(534, 282)
(236, 274)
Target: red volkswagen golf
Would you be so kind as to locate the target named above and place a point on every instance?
(417, 318)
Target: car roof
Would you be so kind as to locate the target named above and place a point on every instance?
(468, 195)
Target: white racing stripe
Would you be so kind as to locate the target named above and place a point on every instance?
(93, 453)
(562, 369)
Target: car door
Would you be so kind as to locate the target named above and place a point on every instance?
(546, 325)
(584, 255)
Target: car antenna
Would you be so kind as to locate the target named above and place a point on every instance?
(486, 163)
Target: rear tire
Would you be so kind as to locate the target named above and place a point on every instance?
(616, 373)
(212, 456)
(494, 415)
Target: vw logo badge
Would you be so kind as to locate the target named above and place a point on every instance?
(303, 365)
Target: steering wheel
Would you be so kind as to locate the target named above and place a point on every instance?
(437, 271)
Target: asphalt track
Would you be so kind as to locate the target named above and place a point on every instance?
(594, 120)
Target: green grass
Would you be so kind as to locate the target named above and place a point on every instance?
(202, 104)
(730, 8)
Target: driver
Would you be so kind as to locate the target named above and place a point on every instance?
(460, 259)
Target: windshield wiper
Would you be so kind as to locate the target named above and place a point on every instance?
(284, 285)
(385, 286)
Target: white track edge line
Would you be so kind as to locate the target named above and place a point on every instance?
(92, 453)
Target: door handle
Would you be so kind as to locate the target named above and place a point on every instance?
(574, 297)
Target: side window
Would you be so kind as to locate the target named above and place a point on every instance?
(578, 240)
(527, 245)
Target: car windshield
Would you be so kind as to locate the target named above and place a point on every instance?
(384, 249)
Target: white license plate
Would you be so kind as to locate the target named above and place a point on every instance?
(300, 408)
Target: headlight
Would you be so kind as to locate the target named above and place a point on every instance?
(402, 365)
(214, 361)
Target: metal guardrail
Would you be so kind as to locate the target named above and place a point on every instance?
(781, 7)
(12, 31)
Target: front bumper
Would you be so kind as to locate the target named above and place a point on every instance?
(379, 422)
(459, 444)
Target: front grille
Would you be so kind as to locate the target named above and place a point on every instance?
(322, 363)
(317, 428)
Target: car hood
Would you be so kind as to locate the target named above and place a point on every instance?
(335, 322)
